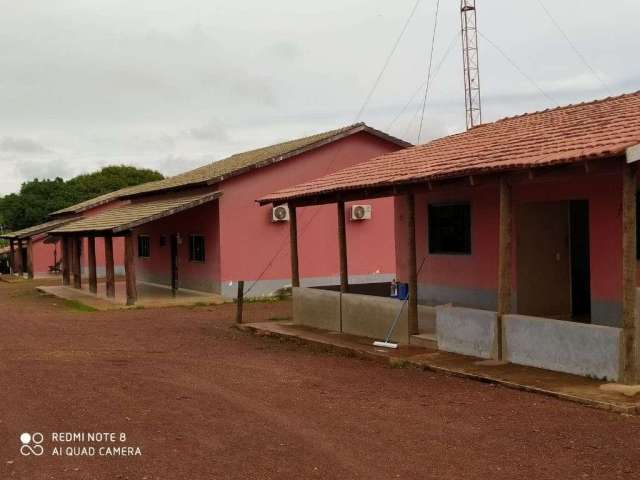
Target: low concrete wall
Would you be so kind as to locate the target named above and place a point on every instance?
(587, 350)
(467, 331)
(316, 308)
(372, 317)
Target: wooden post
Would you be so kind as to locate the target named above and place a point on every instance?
(130, 270)
(76, 242)
(342, 244)
(66, 261)
(412, 314)
(240, 301)
(630, 361)
(13, 256)
(293, 236)
(20, 267)
(504, 257)
(30, 257)
(110, 276)
(91, 256)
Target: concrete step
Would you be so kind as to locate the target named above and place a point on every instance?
(425, 340)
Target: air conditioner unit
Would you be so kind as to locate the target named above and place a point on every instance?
(280, 213)
(361, 212)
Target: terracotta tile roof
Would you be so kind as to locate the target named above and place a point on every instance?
(235, 165)
(597, 129)
(37, 229)
(134, 214)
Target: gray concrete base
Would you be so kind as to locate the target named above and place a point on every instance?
(581, 349)
(368, 316)
(467, 331)
(316, 308)
(268, 288)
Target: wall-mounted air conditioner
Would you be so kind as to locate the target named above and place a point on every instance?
(361, 212)
(280, 213)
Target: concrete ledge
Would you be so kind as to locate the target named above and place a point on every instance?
(316, 308)
(467, 331)
(368, 316)
(563, 386)
(587, 350)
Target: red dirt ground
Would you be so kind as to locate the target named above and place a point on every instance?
(204, 401)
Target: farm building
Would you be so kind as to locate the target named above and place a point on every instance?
(202, 231)
(36, 253)
(517, 240)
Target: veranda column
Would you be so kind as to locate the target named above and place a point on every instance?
(630, 361)
(30, 257)
(110, 275)
(66, 261)
(130, 270)
(504, 257)
(91, 256)
(412, 313)
(19, 267)
(13, 256)
(77, 262)
(342, 244)
(293, 235)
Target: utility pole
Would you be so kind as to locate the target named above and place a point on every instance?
(470, 63)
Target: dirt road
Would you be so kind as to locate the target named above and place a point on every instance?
(203, 401)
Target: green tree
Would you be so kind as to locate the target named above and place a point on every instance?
(38, 198)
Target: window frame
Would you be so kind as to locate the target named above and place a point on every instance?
(452, 203)
(146, 237)
(192, 250)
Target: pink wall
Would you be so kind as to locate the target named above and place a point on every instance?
(43, 255)
(472, 279)
(202, 220)
(249, 239)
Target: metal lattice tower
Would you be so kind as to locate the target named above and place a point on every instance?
(470, 61)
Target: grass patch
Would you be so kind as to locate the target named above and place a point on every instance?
(78, 306)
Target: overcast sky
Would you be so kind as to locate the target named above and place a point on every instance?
(172, 85)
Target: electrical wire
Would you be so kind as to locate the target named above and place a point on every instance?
(388, 60)
(422, 85)
(426, 90)
(574, 48)
(517, 67)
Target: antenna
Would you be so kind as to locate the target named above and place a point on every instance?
(470, 63)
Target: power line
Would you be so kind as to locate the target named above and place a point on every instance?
(422, 85)
(574, 48)
(386, 63)
(515, 65)
(426, 90)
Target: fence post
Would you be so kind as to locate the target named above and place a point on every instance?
(240, 300)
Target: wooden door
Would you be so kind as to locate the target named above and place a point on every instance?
(543, 259)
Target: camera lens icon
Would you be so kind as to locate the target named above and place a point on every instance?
(31, 444)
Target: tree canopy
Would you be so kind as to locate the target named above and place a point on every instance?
(38, 198)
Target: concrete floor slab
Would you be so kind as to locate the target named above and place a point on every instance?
(148, 296)
(574, 388)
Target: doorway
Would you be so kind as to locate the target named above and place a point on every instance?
(174, 263)
(580, 269)
(552, 252)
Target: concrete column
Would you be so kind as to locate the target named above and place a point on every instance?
(12, 258)
(110, 276)
(76, 242)
(19, 267)
(630, 353)
(412, 313)
(30, 258)
(91, 255)
(66, 261)
(293, 236)
(504, 256)
(130, 270)
(342, 244)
